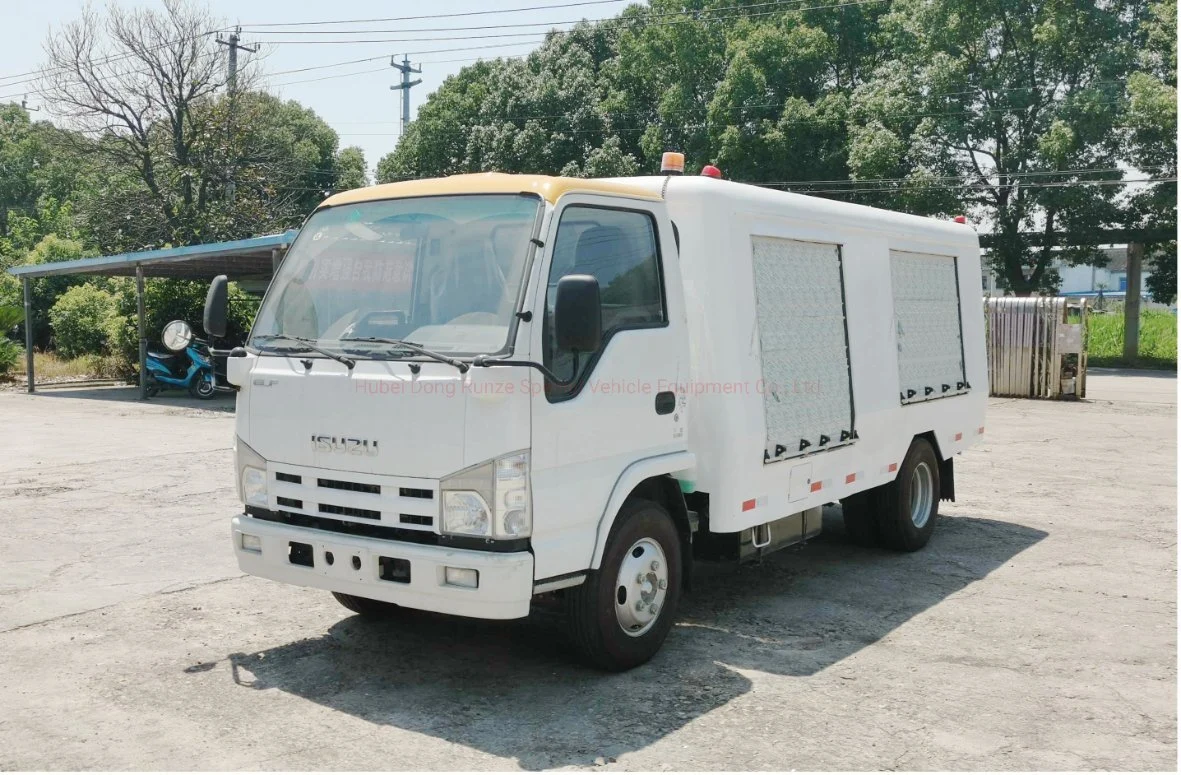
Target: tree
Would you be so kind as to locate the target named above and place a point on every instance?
(543, 114)
(1001, 104)
(351, 170)
(135, 81)
(37, 180)
(177, 160)
(1152, 138)
(43, 290)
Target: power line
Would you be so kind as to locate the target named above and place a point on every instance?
(437, 15)
(1036, 173)
(970, 186)
(738, 12)
(608, 129)
(699, 15)
(101, 60)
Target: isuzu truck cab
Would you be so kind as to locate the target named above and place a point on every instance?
(477, 393)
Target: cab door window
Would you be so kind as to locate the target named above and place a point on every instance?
(619, 248)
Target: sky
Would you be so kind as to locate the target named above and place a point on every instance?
(356, 101)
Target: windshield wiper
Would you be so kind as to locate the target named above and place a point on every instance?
(309, 344)
(488, 360)
(414, 348)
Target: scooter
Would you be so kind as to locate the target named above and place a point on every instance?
(192, 371)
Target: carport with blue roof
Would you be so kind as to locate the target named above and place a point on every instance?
(245, 260)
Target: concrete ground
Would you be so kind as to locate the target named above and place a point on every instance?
(1036, 631)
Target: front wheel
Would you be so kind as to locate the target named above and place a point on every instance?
(205, 386)
(619, 617)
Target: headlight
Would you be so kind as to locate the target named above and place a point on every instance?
(465, 512)
(254, 486)
(491, 499)
(252, 474)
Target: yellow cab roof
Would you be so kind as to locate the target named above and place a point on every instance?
(545, 186)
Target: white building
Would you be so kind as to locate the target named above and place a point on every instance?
(1083, 279)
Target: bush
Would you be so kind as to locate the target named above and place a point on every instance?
(10, 318)
(79, 319)
(109, 367)
(10, 354)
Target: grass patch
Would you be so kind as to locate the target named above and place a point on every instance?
(1158, 340)
(48, 367)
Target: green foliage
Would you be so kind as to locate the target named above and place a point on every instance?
(542, 114)
(10, 317)
(351, 170)
(79, 319)
(938, 107)
(1152, 124)
(10, 351)
(1158, 340)
(44, 290)
(283, 161)
(1162, 282)
(10, 354)
(1007, 98)
(168, 300)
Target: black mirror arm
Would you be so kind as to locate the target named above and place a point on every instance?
(484, 360)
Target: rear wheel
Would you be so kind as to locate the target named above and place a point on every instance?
(365, 606)
(619, 617)
(908, 507)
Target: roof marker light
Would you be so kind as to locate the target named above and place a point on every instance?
(672, 163)
(710, 171)
(961, 219)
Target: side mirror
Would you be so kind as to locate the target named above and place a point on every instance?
(578, 314)
(215, 307)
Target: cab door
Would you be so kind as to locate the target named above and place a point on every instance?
(626, 402)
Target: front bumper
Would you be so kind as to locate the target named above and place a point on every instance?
(505, 579)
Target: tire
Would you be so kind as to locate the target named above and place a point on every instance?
(908, 507)
(643, 532)
(205, 387)
(861, 518)
(365, 606)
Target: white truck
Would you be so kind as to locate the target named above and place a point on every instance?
(478, 393)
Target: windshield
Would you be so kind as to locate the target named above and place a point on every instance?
(442, 272)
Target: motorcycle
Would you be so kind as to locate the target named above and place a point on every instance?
(188, 366)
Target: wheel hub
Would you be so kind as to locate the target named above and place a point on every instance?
(641, 587)
(922, 491)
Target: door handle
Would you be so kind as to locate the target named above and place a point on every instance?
(666, 401)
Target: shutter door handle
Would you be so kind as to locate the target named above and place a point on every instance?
(666, 401)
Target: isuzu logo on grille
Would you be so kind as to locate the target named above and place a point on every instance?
(344, 445)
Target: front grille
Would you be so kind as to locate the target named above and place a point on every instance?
(337, 484)
(349, 511)
(364, 497)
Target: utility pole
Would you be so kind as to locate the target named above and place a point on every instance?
(1132, 302)
(405, 85)
(233, 44)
